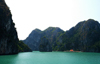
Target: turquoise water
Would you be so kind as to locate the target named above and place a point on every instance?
(36, 57)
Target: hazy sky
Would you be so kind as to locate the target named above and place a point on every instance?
(31, 14)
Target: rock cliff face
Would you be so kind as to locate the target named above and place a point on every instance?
(44, 45)
(33, 39)
(52, 33)
(85, 36)
(8, 34)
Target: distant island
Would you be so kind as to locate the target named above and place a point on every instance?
(85, 36)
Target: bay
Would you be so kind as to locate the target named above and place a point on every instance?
(37, 57)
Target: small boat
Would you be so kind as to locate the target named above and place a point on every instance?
(71, 50)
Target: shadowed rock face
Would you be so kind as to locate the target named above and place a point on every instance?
(8, 34)
(45, 45)
(33, 39)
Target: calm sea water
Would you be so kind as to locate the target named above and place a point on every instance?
(36, 57)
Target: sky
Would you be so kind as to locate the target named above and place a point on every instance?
(31, 14)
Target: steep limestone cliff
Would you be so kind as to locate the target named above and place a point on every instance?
(33, 39)
(8, 34)
(45, 45)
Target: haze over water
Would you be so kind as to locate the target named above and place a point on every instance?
(51, 58)
(31, 14)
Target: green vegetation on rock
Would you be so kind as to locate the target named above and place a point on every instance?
(85, 36)
(23, 47)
